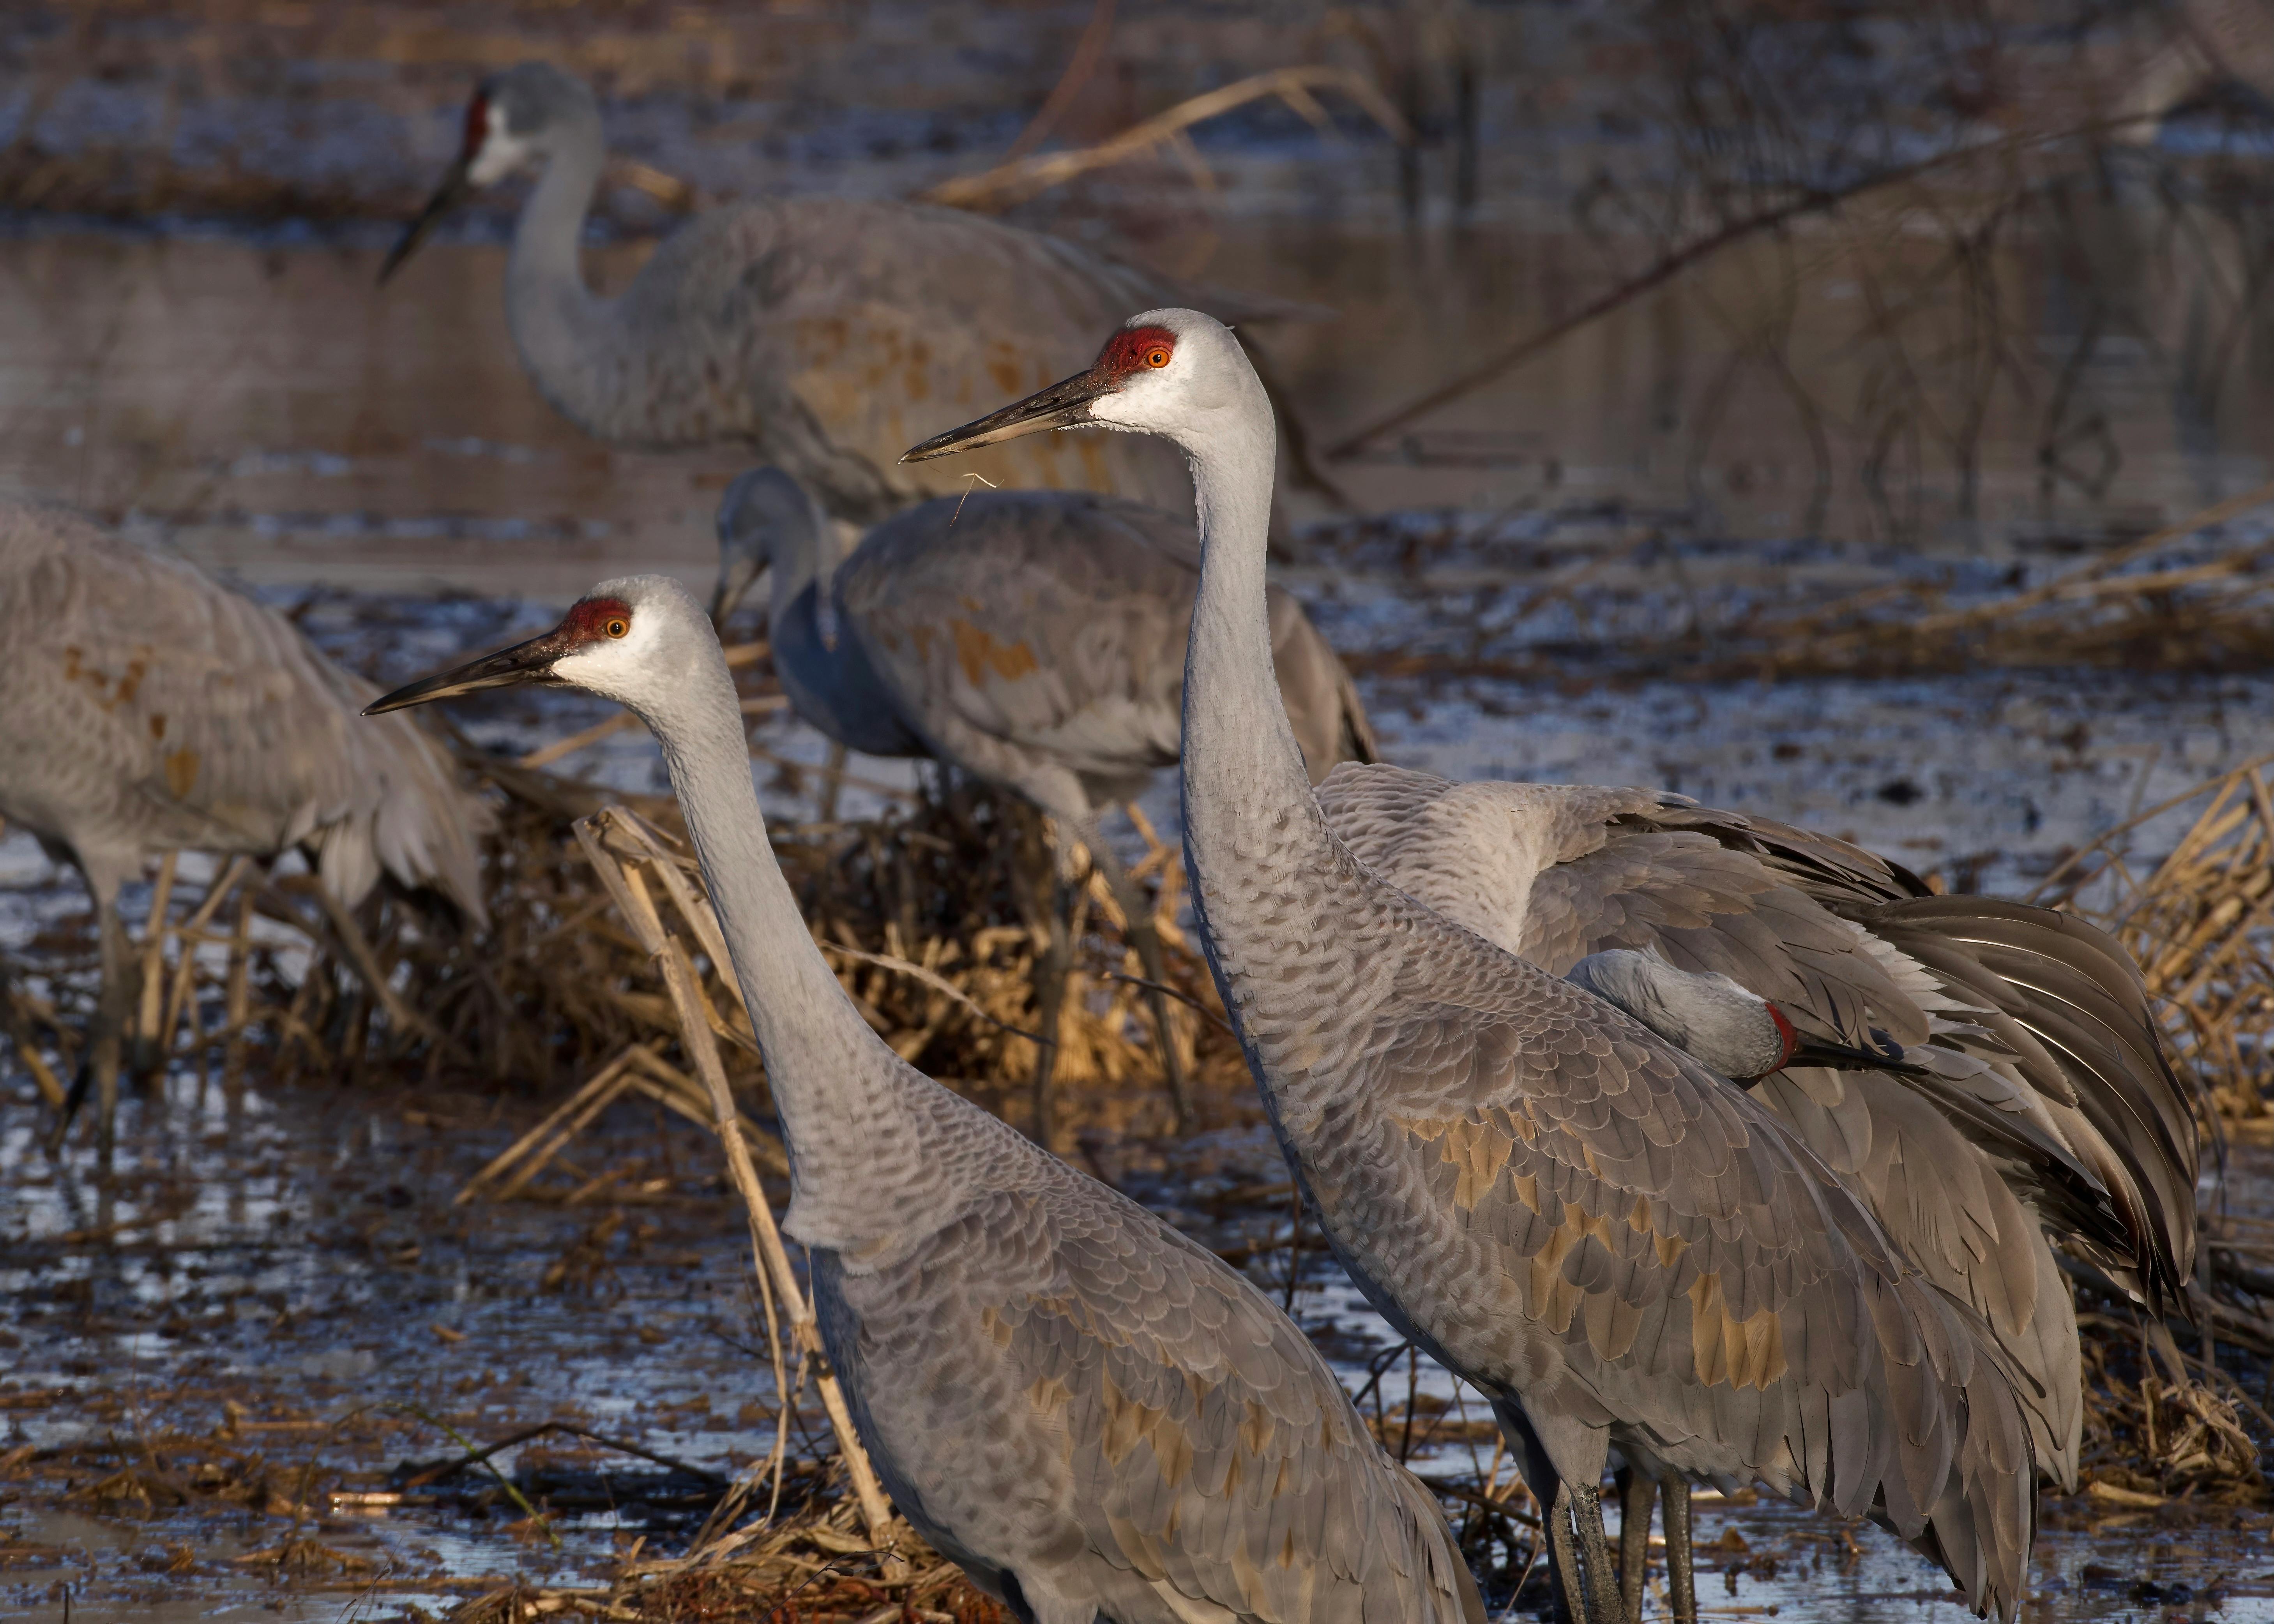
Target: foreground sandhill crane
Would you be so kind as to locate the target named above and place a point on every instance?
(813, 328)
(1096, 1417)
(144, 707)
(1034, 639)
(1615, 1246)
(2038, 1105)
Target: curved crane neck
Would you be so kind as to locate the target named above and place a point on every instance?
(817, 654)
(559, 325)
(1254, 834)
(862, 1126)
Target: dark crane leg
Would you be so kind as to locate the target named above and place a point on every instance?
(1563, 1560)
(1680, 1579)
(1042, 897)
(1637, 1492)
(1603, 1602)
(105, 1034)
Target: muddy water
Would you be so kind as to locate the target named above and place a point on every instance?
(267, 409)
(275, 1302)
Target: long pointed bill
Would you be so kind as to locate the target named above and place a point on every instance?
(524, 662)
(1063, 405)
(446, 196)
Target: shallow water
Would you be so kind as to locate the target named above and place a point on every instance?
(284, 1276)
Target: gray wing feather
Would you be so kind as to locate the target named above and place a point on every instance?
(1019, 624)
(1521, 1164)
(144, 707)
(835, 332)
(1148, 1435)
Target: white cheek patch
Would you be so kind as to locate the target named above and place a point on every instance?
(501, 155)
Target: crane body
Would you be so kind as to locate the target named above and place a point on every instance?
(1621, 1250)
(144, 707)
(1091, 1413)
(815, 330)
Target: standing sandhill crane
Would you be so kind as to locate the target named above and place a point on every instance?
(1096, 1417)
(1035, 639)
(144, 707)
(2037, 1105)
(1615, 1246)
(808, 327)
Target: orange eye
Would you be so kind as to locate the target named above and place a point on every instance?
(1157, 355)
(617, 626)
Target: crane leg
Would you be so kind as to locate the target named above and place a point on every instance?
(1040, 891)
(1563, 1560)
(1681, 1578)
(1604, 1605)
(1052, 965)
(832, 781)
(1637, 1490)
(1147, 942)
(98, 1068)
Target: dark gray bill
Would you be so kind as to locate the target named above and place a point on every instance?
(524, 662)
(1061, 406)
(1886, 1055)
(446, 196)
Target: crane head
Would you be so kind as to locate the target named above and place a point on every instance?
(1162, 373)
(623, 640)
(765, 510)
(510, 124)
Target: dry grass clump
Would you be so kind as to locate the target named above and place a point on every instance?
(2154, 1431)
(814, 1562)
(2199, 922)
(933, 914)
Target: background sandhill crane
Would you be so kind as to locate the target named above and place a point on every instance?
(144, 707)
(1035, 639)
(811, 327)
(2038, 1098)
(1094, 1416)
(1613, 1245)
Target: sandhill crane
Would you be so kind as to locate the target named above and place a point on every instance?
(2038, 1105)
(146, 708)
(1093, 1415)
(1617, 1246)
(808, 327)
(1034, 639)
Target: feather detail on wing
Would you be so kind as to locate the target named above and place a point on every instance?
(1682, 1266)
(148, 708)
(1054, 622)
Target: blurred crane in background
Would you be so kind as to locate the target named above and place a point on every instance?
(823, 332)
(147, 709)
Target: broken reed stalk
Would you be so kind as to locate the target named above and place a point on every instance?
(1025, 177)
(619, 848)
(153, 947)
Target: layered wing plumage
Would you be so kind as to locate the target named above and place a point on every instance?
(144, 707)
(1079, 1401)
(1598, 1231)
(834, 333)
(2033, 1026)
(1025, 624)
